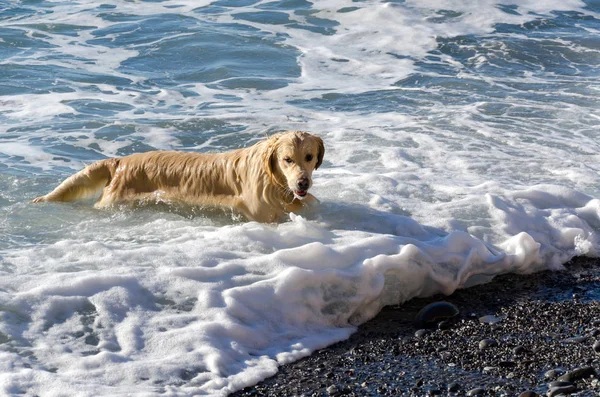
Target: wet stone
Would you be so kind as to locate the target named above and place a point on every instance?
(553, 373)
(576, 339)
(421, 333)
(529, 393)
(597, 346)
(432, 314)
(445, 324)
(559, 383)
(519, 350)
(476, 392)
(556, 391)
(578, 373)
(453, 387)
(487, 343)
(490, 319)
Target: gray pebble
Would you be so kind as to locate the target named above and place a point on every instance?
(421, 333)
(432, 314)
(528, 393)
(578, 373)
(559, 383)
(555, 391)
(476, 392)
(576, 339)
(597, 346)
(553, 373)
(518, 350)
(453, 387)
(490, 319)
(486, 343)
(445, 324)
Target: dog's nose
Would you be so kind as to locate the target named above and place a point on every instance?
(303, 183)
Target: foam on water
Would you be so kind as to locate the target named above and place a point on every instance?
(460, 145)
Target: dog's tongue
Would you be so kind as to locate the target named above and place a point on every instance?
(300, 193)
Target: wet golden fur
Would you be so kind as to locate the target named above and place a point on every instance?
(263, 182)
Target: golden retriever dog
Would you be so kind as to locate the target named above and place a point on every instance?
(262, 182)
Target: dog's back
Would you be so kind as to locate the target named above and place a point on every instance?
(184, 174)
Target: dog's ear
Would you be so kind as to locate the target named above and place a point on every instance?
(269, 155)
(321, 152)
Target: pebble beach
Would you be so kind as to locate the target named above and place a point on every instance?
(519, 335)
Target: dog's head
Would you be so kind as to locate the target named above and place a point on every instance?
(290, 159)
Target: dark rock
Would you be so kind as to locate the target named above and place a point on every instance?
(519, 350)
(453, 387)
(597, 346)
(487, 343)
(559, 383)
(555, 391)
(445, 324)
(577, 339)
(476, 392)
(528, 393)
(421, 333)
(578, 373)
(432, 314)
(553, 373)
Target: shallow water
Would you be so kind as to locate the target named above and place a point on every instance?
(460, 144)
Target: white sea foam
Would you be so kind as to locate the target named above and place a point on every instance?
(441, 195)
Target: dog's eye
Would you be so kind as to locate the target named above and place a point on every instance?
(309, 157)
(288, 160)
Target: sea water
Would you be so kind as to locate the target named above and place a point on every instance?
(461, 143)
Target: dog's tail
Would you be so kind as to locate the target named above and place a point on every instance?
(84, 184)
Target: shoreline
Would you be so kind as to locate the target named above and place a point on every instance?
(545, 326)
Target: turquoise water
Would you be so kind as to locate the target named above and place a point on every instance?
(461, 143)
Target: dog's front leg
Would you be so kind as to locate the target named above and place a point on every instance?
(299, 206)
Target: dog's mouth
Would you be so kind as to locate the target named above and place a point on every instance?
(300, 193)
